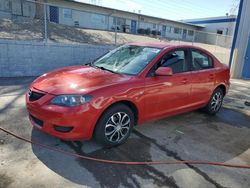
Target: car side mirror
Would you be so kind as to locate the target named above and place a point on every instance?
(164, 71)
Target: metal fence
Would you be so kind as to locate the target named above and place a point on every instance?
(52, 23)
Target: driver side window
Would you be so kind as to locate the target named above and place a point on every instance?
(175, 60)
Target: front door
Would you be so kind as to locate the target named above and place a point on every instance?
(164, 28)
(133, 26)
(53, 14)
(166, 95)
(184, 34)
(246, 67)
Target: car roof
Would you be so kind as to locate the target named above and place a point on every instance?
(166, 45)
(163, 45)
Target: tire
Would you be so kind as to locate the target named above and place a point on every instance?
(215, 102)
(114, 126)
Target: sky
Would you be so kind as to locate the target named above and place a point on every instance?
(173, 9)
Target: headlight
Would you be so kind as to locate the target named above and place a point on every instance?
(70, 100)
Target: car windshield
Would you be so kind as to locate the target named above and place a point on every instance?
(127, 59)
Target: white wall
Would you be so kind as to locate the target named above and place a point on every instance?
(85, 19)
(9, 8)
(241, 41)
(81, 13)
(213, 27)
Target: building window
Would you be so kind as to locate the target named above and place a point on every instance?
(67, 13)
(154, 26)
(220, 32)
(120, 21)
(190, 32)
(177, 30)
(168, 29)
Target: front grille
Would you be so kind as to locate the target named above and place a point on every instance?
(33, 96)
(36, 121)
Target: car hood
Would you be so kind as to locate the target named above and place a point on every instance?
(76, 80)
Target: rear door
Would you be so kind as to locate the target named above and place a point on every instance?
(203, 77)
(168, 94)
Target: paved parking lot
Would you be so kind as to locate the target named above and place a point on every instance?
(191, 136)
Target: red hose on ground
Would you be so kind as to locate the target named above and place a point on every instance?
(126, 162)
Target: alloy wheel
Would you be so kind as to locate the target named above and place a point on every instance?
(216, 101)
(117, 127)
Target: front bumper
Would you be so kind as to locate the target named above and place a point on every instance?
(67, 123)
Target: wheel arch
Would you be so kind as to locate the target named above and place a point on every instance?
(128, 103)
(223, 87)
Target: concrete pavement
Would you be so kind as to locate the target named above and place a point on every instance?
(191, 136)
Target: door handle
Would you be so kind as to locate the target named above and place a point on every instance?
(184, 80)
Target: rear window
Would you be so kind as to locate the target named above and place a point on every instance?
(201, 60)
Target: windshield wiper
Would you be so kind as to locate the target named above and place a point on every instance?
(103, 68)
(89, 64)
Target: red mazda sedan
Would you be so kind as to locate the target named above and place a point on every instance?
(129, 85)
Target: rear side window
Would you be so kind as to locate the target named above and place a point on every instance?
(201, 60)
(175, 60)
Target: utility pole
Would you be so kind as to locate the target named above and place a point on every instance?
(45, 23)
(115, 28)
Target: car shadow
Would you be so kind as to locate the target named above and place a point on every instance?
(139, 147)
(231, 117)
(89, 173)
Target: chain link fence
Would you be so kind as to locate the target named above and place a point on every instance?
(22, 20)
(37, 21)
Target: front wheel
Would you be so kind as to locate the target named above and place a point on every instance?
(215, 102)
(115, 125)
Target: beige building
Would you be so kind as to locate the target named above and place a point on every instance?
(84, 15)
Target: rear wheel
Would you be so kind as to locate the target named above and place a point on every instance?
(115, 125)
(215, 102)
